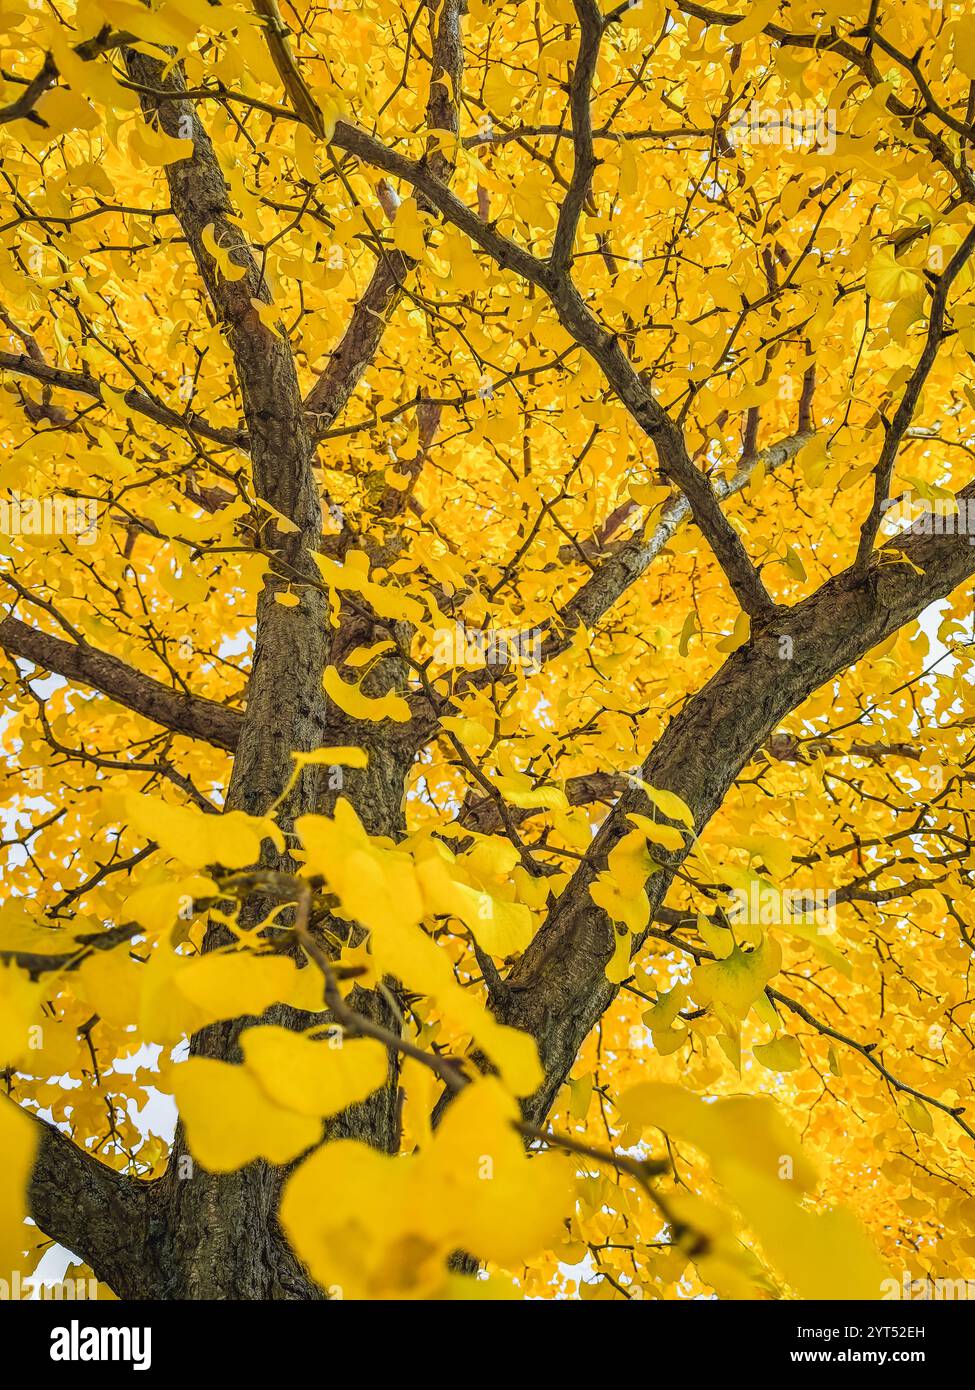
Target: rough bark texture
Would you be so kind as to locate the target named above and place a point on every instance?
(222, 1237)
(100, 1215)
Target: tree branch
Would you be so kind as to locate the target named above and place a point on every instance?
(580, 88)
(612, 576)
(602, 346)
(904, 414)
(558, 988)
(357, 348)
(190, 715)
(100, 1215)
(291, 645)
(23, 365)
(48, 73)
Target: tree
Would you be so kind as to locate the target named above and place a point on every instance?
(488, 656)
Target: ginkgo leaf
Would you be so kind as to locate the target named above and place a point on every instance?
(667, 836)
(408, 229)
(531, 797)
(501, 928)
(232, 839)
(313, 1078)
(162, 897)
(670, 805)
(741, 1130)
(22, 929)
(765, 1172)
(18, 1143)
(231, 1121)
(380, 1227)
(20, 1004)
(470, 732)
(387, 600)
(229, 269)
(964, 47)
(156, 148)
(889, 280)
(506, 1205)
(111, 986)
(223, 986)
(629, 906)
(759, 14)
(820, 1254)
(738, 980)
(918, 1116)
(333, 757)
(783, 1054)
(374, 709)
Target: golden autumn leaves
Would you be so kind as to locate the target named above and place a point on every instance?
(369, 1225)
(764, 1172)
(383, 1227)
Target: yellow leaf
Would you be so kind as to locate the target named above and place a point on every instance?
(271, 320)
(387, 600)
(313, 1078)
(918, 1116)
(351, 700)
(228, 268)
(230, 1121)
(377, 1227)
(759, 14)
(232, 840)
(631, 907)
(745, 1130)
(157, 149)
(670, 805)
(890, 281)
(529, 797)
(782, 1054)
(738, 980)
(20, 1004)
(236, 983)
(470, 732)
(823, 1255)
(110, 982)
(964, 45)
(18, 1144)
(666, 835)
(408, 230)
(500, 928)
